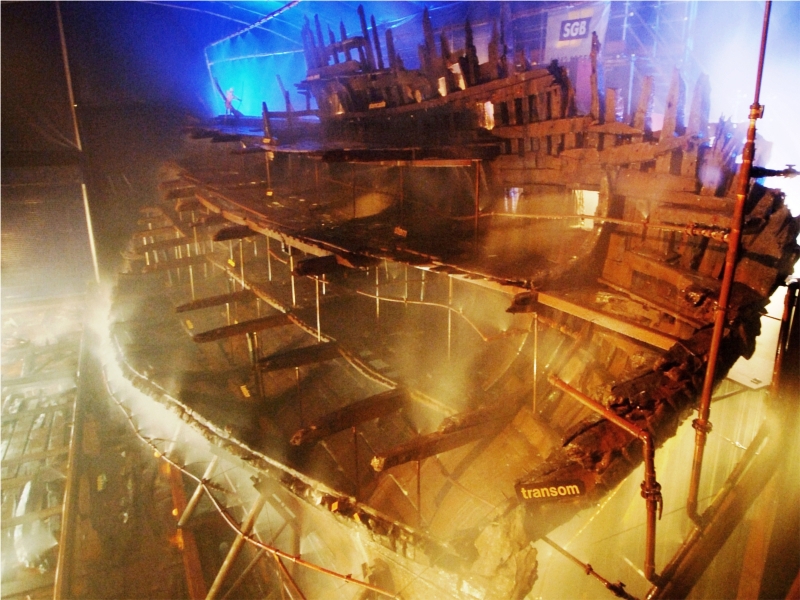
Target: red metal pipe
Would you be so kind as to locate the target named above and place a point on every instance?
(651, 489)
(702, 424)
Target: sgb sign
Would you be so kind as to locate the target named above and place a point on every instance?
(574, 29)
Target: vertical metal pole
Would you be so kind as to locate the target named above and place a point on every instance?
(319, 329)
(405, 294)
(355, 460)
(269, 261)
(402, 196)
(198, 493)
(291, 275)
(236, 547)
(269, 175)
(191, 280)
(449, 314)
(702, 424)
(241, 259)
(70, 92)
(91, 231)
(422, 288)
(299, 397)
(419, 493)
(535, 357)
(377, 292)
(477, 199)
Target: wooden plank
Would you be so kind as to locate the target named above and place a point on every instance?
(640, 152)
(437, 442)
(233, 233)
(317, 266)
(299, 357)
(187, 204)
(611, 322)
(655, 186)
(164, 245)
(349, 416)
(240, 296)
(680, 215)
(158, 231)
(175, 263)
(673, 110)
(680, 278)
(641, 118)
(242, 328)
(543, 128)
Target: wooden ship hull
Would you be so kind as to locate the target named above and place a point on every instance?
(367, 333)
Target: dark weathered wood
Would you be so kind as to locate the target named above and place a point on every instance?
(640, 152)
(164, 244)
(437, 442)
(187, 204)
(175, 263)
(701, 106)
(300, 357)
(147, 233)
(349, 416)
(180, 192)
(234, 233)
(641, 118)
(543, 128)
(219, 333)
(317, 266)
(212, 219)
(673, 112)
(240, 296)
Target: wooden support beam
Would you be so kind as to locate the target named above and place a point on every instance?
(641, 118)
(242, 328)
(234, 233)
(240, 296)
(156, 232)
(186, 191)
(300, 356)
(164, 244)
(317, 266)
(187, 204)
(543, 128)
(438, 442)
(640, 152)
(349, 416)
(175, 263)
(628, 328)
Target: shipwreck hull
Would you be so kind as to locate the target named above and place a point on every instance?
(425, 321)
(394, 337)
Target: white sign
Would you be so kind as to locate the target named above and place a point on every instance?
(569, 31)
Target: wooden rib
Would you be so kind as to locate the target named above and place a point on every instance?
(299, 357)
(220, 333)
(349, 416)
(240, 296)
